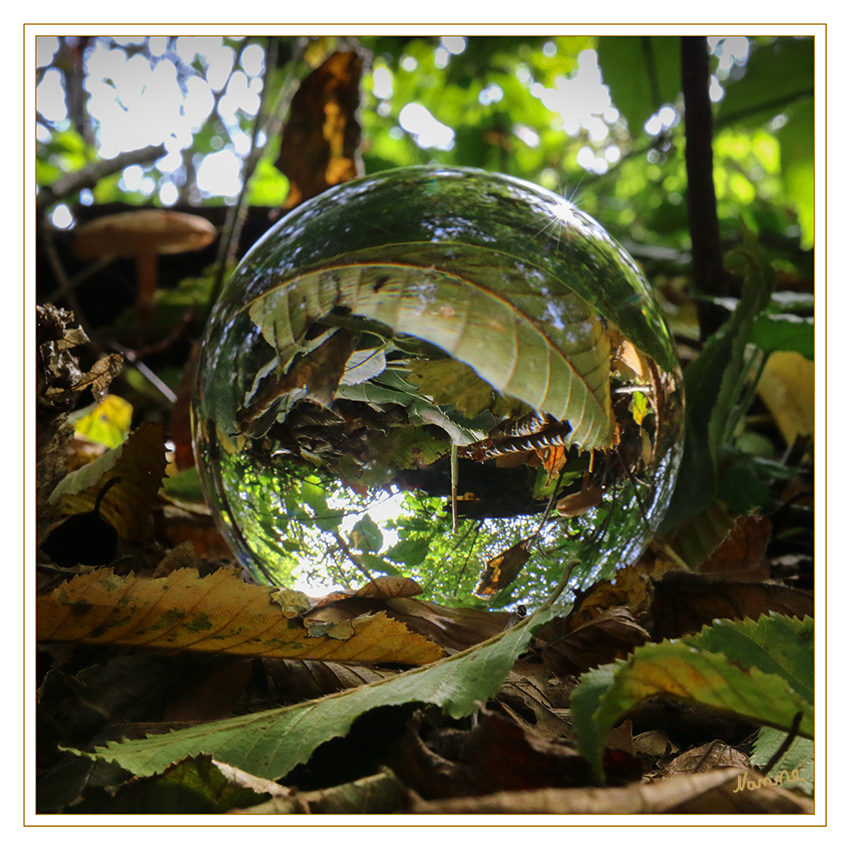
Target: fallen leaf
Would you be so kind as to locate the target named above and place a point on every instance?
(682, 603)
(389, 587)
(787, 387)
(382, 793)
(140, 464)
(578, 504)
(296, 680)
(314, 376)
(528, 698)
(754, 678)
(631, 589)
(496, 754)
(181, 557)
(742, 552)
(190, 786)
(271, 743)
(704, 758)
(217, 613)
(318, 145)
(705, 793)
(614, 634)
(500, 571)
(106, 423)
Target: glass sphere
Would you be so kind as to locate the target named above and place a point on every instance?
(441, 373)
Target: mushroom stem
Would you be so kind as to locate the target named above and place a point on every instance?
(146, 267)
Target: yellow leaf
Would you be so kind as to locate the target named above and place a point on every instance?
(217, 613)
(787, 387)
(107, 423)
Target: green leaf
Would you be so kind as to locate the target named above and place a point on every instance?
(449, 381)
(376, 564)
(409, 552)
(714, 383)
(784, 333)
(493, 323)
(778, 74)
(758, 680)
(797, 144)
(366, 535)
(799, 757)
(642, 72)
(270, 743)
(783, 646)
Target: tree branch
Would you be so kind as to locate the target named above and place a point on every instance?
(709, 276)
(90, 174)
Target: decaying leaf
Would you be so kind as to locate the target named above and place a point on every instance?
(535, 701)
(610, 636)
(389, 587)
(217, 613)
(682, 603)
(318, 146)
(140, 464)
(381, 793)
(578, 504)
(59, 381)
(453, 628)
(500, 571)
(295, 680)
(742, 552)
(495, 755)
(711, 756)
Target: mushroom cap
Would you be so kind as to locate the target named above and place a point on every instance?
(129, 234)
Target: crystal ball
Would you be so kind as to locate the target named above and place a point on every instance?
(440, 373)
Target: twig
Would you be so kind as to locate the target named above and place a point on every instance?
(268, 120)
(350, 555)
(709, 276)
(131, 357)
(66, 289)
(783, 748)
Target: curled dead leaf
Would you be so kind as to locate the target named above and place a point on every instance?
(705, 793)
(140, 464)
(318, 145)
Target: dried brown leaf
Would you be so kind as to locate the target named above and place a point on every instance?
(712, 756)
(389, 587)
(685, 602)
(495, 755)
(742, 552)
(453, 628)
(298, 680)
(318, 145)
(612, 635)
(140, 464)
(705, 793)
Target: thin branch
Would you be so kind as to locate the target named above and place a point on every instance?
(90, 174)
(268, 121)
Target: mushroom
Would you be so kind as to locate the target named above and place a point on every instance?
(142, 235)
